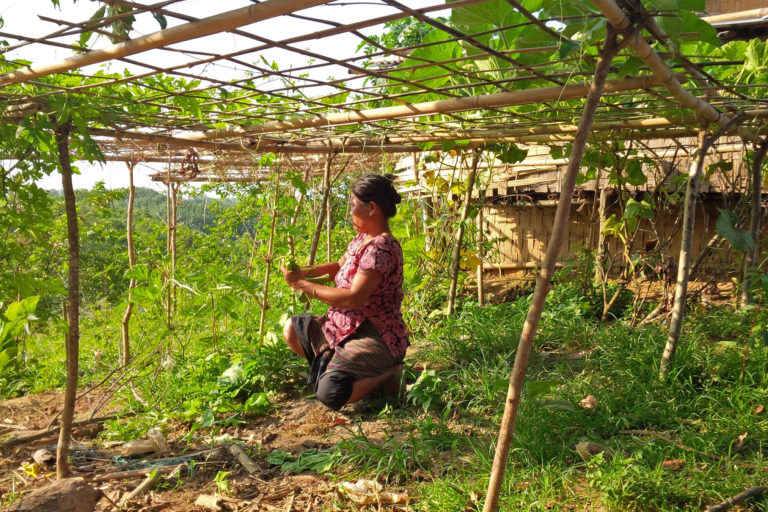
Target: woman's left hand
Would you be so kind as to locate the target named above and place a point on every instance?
(292, 277)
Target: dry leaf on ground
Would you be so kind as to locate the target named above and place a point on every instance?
(588, 402)
(673, 464)
(759, 409)
(740, 440)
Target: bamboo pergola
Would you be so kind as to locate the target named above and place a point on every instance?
(209, 94)
(338, 100)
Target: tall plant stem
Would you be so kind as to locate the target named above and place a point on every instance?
(126, 338)
(270, 252)
(323, 209)
(73, 301)
(543, 280)
(456, 257)
(754, 220)
(684, 260)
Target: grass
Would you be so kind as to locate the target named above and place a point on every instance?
(695, 416)
(441, 443)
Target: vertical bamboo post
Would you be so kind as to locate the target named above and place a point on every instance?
(750, 261)
(323, 209)
(131, 262)
(174, 216)
(73, 301)
(544, 278)
(600, 252)
(168, 210)
(684, 260)
(328, 225)
(480, 251)
(270, 253)
(456, 257)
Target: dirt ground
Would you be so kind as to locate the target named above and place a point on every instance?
(300, 424)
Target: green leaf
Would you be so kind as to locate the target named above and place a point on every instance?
(534, 388)
(635, 209)
(567, 46)
(692, 23)
(635, 175)
(741, 240)
(563, 405)
(160, 20)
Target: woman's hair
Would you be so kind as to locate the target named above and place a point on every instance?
(380, 189)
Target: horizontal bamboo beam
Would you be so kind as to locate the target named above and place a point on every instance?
(502, 99)
(653, 60)
(220, 23)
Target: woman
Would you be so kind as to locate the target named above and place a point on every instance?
(360, 343)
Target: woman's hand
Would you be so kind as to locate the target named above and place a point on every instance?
(292, 277)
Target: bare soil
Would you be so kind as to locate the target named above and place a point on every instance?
(298, 425)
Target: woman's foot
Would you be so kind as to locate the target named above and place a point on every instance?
(394, 385)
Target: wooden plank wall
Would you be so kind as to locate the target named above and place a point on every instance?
(528, 228)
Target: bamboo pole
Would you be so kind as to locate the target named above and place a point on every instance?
(480, 253)
(323, 209)
(502, 99)
(126, 338)
(543, 280)
(456, 257)
(750, 261)
(270, 254)
(73, 301)
(220, 23)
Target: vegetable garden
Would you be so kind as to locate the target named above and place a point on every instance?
(610, 378)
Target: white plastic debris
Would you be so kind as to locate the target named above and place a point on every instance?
(161, 447)
(367, 492)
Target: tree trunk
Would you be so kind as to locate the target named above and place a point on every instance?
(456, 258)
(270, 253)
(543, 280)
(131, 262)
(323, 210)
(684, 261)
(750, 261)
(600, 253)
(73, 302)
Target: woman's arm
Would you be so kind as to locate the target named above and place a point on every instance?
(364, 284)
(331, 269)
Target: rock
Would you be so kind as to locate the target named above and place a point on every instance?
(68, 495)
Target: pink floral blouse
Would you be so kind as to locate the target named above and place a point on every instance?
(383, 254)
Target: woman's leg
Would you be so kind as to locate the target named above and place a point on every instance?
(365, 386)
(292, 339)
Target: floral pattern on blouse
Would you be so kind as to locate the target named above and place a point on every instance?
(383, 254)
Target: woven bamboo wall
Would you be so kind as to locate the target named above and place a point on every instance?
(726, 6)
(528, 228)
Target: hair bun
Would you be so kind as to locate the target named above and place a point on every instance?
(395, 194)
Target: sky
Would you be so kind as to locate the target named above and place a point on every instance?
(24, 13)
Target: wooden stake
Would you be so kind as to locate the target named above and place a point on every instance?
(456, 258)
(480, 253)
(543, 280)
(323, 209)
(270, 254)
(131, 262)
(73, 300)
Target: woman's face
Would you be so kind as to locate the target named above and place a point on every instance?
(360, 213)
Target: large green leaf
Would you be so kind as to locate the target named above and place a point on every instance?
(740, 239)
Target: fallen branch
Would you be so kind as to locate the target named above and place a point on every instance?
(173, 464)
(15, 441)
(143, 486)
(730, 502)
(243, 458)
(683, 447)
